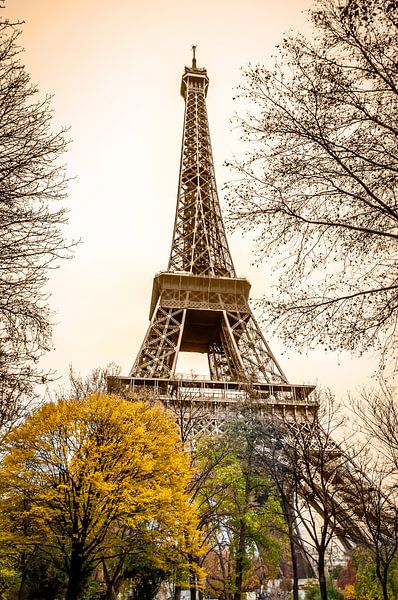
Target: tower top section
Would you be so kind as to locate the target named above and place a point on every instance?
(199, 245)
(194, 79)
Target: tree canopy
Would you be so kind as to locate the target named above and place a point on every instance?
(97, 479)
(319, 183)
(240, 514)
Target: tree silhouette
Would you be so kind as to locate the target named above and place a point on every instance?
(319, 184)
(31, 242)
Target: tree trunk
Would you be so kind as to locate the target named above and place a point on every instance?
(382, 577)
(289, 517)
(110, 593)
(293, 551)
(23, 576)
(112, 583)
(240, 561)
(177, 592)
(384, 588)
(321, 575)
(75, 572)
(192, 580)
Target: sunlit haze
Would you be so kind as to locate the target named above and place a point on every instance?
(114, 69)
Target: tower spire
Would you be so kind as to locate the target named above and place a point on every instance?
(193, 56)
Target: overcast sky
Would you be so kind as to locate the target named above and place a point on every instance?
(114, 69)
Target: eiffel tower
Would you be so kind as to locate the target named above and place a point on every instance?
(200, 305)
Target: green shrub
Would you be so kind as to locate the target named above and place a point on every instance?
(312, 592)
(9, 581)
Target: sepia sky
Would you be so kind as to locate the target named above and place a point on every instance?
(114, 69)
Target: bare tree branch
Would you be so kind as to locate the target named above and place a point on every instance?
(319, 182)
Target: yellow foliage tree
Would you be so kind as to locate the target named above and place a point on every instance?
(82, 478)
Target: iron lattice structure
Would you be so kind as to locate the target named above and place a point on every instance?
(199, 243)
(200, 305)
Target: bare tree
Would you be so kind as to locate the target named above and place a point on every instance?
(272, 457)
(97, 381)
(31, 242)
(377, 413)
(378, 510)
(311, 473)
(319, 183)
(341, 489)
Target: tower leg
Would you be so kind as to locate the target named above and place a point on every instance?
(159, 351)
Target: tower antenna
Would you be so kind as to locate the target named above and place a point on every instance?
(193, 57)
